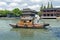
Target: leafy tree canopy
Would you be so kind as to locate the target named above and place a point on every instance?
(17, 12)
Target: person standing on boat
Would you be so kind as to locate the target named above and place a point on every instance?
(36, 21)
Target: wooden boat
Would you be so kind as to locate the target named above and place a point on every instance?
(29, 19)
(32, 26)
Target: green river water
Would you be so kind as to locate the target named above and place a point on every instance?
(9, 33)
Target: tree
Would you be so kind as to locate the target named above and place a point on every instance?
(44, 7)
(6, 12)
(41, 8)
(51, 5)
(3, 13)
(40, 12)
(17, 12)
(48, 6)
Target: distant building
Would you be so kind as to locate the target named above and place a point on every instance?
(50, 13)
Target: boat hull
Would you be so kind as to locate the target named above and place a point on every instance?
(34, 26)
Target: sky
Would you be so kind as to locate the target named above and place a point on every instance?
(21, 4)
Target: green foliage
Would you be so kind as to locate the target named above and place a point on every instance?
(14, 12)
(4, 12)
(48, 6)
(51, 5)
(40, 13)
(44, 7)
(1, 12)
(17, 12)
(41, 8)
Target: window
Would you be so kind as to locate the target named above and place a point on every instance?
(44, 11)
(54, 14)
(29, 20)
(44, 14)
(51, 10)
(47, 14)
(58, 10)
(58, 14)
(32, 14)
(51, 14)
(54, 10)
(47, 10)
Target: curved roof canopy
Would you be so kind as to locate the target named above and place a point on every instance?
(29, 10)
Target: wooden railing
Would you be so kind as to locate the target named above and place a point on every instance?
(26, 17)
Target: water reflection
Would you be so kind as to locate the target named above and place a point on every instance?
(27, 33)
(30, 34)
(24, 32)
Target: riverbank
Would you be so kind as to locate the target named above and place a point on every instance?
(9, 18)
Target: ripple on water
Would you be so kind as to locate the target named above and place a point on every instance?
(56, 31)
